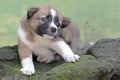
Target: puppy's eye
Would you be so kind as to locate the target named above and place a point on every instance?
(44, 19)
(58, 24)
(49, 17)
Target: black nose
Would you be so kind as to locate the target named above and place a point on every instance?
(53, 29)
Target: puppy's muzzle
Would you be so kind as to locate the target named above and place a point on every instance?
(53, 29)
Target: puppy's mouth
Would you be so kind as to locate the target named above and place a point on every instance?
(48, 34)
(51, 33)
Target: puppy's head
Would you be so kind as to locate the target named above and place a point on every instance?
(46, 21)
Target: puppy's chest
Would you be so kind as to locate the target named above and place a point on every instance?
(41, 47)
(41, 50)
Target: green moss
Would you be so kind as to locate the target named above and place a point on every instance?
(1, 67)
(87, 68)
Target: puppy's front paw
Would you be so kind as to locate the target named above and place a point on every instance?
(71, 57)
(28, 71)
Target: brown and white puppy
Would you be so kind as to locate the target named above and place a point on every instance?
(43, 31)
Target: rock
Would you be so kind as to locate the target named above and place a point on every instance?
(87, 68)
(116, 75)
(8, 53)
(108, 50)
(1, 70)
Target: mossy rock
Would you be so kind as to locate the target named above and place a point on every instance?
(108, 50)
(8, 53)
(87, 68)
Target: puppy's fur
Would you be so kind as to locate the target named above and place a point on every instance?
(71, 35)
(43, 31)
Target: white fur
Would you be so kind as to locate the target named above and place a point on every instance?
(48, 36)
(27, 66)
(21, 34)
(64, 50)
(53, 13)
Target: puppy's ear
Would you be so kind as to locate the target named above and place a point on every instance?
(31, 12)
(66, 21)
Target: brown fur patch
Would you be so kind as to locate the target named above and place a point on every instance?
(23, 50)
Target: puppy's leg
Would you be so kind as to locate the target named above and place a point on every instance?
(64, 50)
(26, 60)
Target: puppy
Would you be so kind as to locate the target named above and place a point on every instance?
(44, 32)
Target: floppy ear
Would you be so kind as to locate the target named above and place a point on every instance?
(31, 12)
(66, 21)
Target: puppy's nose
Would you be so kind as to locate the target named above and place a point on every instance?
(53, 29)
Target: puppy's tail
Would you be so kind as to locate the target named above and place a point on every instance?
(84, 50)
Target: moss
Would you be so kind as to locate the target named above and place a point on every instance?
(87, 68)
(1, 67)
